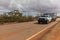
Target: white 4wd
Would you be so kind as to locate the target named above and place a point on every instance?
(45, 19)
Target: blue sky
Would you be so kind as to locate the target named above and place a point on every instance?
(38, 6)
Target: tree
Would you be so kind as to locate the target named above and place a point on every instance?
(15, 13)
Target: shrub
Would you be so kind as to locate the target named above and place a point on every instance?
(15, 18)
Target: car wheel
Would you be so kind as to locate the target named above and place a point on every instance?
(38, 22)
(47, 22)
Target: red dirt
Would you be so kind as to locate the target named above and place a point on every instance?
(20, 31)
(54, 34)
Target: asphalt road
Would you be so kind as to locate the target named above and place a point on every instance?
(20, 31)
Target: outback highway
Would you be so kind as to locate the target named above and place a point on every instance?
(21, 31)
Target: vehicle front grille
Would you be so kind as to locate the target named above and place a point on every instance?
(41, 19)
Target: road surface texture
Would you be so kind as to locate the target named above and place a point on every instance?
(20, 31)
(53, 34)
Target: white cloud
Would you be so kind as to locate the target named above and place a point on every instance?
(36, 5)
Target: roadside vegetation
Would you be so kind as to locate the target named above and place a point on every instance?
(15, 16)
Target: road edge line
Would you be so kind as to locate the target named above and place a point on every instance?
(42, 32)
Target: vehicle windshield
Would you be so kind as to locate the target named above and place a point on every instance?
(45, 16)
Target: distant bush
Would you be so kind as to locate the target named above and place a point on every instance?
(15, 16)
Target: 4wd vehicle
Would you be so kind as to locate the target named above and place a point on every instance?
(47, 18)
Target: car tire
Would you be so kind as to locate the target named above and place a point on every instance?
(38, 22)
(54, 20)
(47, 22)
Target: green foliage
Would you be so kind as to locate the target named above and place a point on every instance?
(14, 16)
